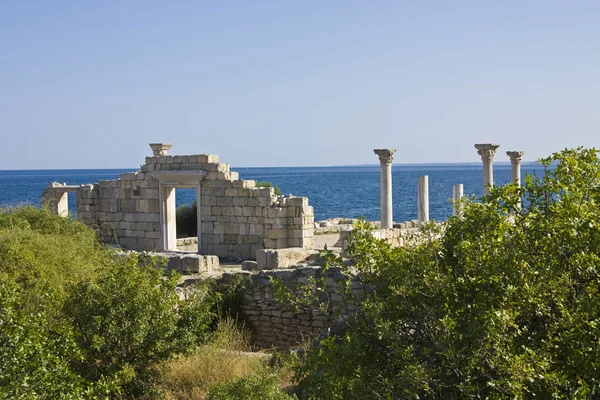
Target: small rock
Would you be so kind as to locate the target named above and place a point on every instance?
(249, 265)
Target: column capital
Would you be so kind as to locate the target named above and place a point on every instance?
(486, 151)
(515, 156)
(385, 155)
(160, 149)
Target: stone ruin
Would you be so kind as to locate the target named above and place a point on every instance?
(235, 218)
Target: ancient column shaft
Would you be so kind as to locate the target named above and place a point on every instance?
(515, 165)
(487, 151)
(457, 194)
(423, 199)
(385, 158)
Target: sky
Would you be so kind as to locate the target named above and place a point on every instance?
(88, 84)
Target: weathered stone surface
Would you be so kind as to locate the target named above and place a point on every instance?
(268, 259)
(249, 265)
(237, 219)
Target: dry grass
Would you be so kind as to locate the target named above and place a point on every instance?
(223, 359)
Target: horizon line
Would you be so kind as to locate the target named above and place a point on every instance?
(289, 166)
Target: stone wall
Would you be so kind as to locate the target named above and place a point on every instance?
(236, 218)
(277, 326)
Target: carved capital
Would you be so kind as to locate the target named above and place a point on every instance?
(385, 155)
(486, 155)
(160, 149)
(515, 156)
(486, 151)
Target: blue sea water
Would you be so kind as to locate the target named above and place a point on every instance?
(350, 191)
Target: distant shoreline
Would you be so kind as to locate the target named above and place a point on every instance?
(417, 165)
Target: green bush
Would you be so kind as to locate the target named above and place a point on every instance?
(45, 253)
(34, 360)
(501, 302)
(251, 387)
(131, 318)
(78, 320)
(268, 185)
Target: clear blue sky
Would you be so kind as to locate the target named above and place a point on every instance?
(88, 84)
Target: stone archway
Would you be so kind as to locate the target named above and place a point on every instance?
(168, 181)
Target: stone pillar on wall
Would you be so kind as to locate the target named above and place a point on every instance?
(160, 149)
(385, 158)
(487, 151)
(515, 165)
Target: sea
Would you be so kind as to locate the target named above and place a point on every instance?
(338, 191)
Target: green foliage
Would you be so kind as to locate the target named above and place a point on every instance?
(129, 319)
(33, 359)
(250, 387)
(45, 253)
(501, 302)
(268, 185)
(80, 321)
(186, 220)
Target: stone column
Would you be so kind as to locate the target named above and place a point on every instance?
(168, 234)
(487, 151)
(515, 166)
(423, 197)
(457, 194)
(385, 158)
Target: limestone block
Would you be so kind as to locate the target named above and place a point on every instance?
(240, 200)
(225, 201)
(231, 228)
(234, 176)
(211, 176)
(270, 243)
(298, 202)
(174, 263)
(268, 259)
(251, 239)
(219, 228)
(212, 158)
(221, 167)
(230, 239)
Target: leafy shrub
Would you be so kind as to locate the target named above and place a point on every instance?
(268, 185)
(78, 321)
(129, 319)
(502, 302)
(45, 253)
(33, 360)
(186, 220)
(251, 387)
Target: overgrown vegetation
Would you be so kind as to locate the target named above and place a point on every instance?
(502, 302)
(222, 359)
(76, 320)
(268, 185)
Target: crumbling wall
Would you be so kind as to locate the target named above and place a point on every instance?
(275, 325)
(237, 218)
